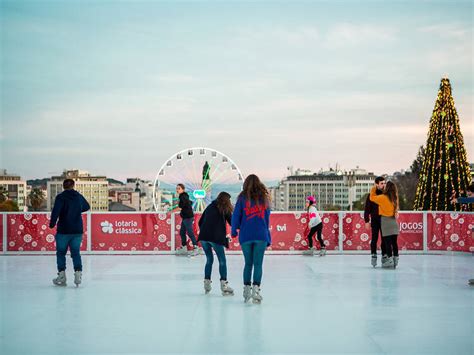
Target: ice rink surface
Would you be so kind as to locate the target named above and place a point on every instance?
(147, 304)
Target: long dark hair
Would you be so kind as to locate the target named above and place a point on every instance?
(254, 190)
(392, 193)
(223, 203)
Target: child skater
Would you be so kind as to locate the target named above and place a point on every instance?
(315, 225)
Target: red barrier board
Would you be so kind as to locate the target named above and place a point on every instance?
(450, 231)
(357, 237)
(131, 232)
(288, 231)
(31, 232)
(1, 233)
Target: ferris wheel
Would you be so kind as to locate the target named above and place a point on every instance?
(204, 172)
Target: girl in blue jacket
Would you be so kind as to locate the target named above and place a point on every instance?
(251, 218)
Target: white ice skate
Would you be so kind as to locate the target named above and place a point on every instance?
(77, 278)
(201, 251)
(373, 260)
(395, 262)
(322, 252)
(226, 289)
(309, 251)
(207, 286)
(388, 263)
(61, 279)
(247, 292)
(182, 251)
(194, 252)
(256, 296)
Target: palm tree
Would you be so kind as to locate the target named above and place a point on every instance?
(3, 194)
(37, 198)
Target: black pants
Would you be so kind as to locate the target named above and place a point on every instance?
(391, 245)
(376, 230)
(319, 229)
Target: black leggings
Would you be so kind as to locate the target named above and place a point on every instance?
(391, 245)
(318, 228)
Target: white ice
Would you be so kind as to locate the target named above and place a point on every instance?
(156, 304)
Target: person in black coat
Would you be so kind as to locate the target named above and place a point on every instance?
(67, 215)
(213, 236)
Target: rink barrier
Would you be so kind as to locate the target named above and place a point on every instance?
(158, 233)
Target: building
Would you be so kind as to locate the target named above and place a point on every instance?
(145, 189)
(94, 188)
(333, 189)
(15, 188)
(124, 196)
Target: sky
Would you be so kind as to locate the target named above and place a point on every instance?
(116, 88)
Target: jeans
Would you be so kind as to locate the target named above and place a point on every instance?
(319, 229)
(253, 254)
(73, 242)
(187, 226)
(376, 230)
(219, 249)
(391, 245)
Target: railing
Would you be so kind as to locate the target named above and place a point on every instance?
(152, 233)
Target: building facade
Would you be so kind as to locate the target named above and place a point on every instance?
(93, 188)
(332, 189)
(15, 188)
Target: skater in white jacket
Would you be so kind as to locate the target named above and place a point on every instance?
(315, 225)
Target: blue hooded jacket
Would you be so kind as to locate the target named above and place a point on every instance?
(68, 208)
(252, 220)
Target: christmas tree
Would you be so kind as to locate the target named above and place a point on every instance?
(445, 172)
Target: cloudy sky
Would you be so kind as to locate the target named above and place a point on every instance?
(116, 88)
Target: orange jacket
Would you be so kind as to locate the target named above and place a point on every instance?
(386, 207)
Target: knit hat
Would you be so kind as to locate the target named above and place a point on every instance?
(311, 199)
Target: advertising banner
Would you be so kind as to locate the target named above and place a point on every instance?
(131, 232)
(450, 231)
(31, 232)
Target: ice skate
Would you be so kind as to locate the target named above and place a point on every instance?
(471, 282)
(373, 260)
(395, 262)
(182, 251)
(207, 286)
(247, 292)
(322, 252)
(309, 252)
(77, 278)
(256, 296)
(388, 263)
(61, 279)
(226, 289)
(201, 251)
(194, 252)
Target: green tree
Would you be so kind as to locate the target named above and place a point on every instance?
(445, 170)
(37, 198)
(3, 194)
(359, 205)
(9, 206)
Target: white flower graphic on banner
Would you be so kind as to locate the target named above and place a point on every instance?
(27, 238)
(107, 227)
(454, 238)
(50, 238)
(364, 237)
(162, 238)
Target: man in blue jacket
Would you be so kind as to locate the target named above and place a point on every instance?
(67, 210)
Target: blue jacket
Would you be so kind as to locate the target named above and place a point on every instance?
(252, 220)
(68, 207)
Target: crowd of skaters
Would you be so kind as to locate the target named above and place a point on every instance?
(249, 221)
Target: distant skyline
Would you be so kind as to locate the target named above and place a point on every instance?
(116, 88)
